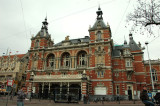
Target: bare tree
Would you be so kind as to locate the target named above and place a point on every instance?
(146, 13)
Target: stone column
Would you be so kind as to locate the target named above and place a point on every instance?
(44, 64)
(42, 87)
(49, 84)
(59, 62)
(88, 61)
(84, 88)
(60, 89)
(68, 89)
(49, 87)
(75, 62)
(84, 84)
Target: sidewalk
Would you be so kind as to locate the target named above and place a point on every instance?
(37, 102)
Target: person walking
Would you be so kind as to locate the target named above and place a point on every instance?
(145, 98)
(21, 96)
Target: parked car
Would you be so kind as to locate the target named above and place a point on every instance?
(3, 91)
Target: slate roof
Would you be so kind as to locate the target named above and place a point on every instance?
(12, 56)
(98, 22)
(133, 45)
(116, 50)
(86, 39)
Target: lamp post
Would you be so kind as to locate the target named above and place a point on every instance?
(31, 80)
(150, 66)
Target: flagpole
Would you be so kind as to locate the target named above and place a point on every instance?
(7, 51)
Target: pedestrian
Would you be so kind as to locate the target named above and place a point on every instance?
(31, 95)
(145, 98)
(157, 98)
(103, 99)
(21, 96)
(11, 94)
(69, 99)
(84, 99)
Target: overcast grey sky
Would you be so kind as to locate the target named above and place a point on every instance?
(20, 19)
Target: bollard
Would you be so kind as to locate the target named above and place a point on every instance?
(134, 101)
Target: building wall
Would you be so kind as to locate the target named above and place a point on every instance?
(11, 69)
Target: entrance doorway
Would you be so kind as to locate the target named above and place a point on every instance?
(45, 92)
(55, 91)
(129, 93)
(61, 94)
(75, 92)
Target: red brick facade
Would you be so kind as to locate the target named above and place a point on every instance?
(92, 65)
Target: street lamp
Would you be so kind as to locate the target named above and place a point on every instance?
(150, 66)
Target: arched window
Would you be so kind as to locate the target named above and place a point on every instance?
(82, 58)
(65, 60)
(51, 61)
(37, 44)
(154, 74)
(99, 35)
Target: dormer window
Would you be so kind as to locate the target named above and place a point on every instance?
(99, 35)
(126, 52)
(128, 63)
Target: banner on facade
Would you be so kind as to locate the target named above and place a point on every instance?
(9, 82)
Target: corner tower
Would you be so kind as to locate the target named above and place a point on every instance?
(42, 39)
(99, 31)
(100, 50)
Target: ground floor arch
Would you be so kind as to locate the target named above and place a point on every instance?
(59, 91)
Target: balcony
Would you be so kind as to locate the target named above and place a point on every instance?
(99, 66)
(81, 66)
(129, 68)
(57, 77)
(64, 68)
(50, 68)
(34, 68)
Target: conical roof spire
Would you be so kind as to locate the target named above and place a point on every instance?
(99, 13)
(133, 45)
(44, 29)
(45, 24)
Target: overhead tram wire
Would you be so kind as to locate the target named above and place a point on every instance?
(77, 12)
(23, 18)
(122, 17)
(80, 11)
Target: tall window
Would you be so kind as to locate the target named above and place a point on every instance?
(82, 58)
(65, 60)
(116, 74)
(37, 44)
(128, 63)
(100, 74)
(117, 89)
(126, 52)
(129, 75)
(99, 35)
(154, 74)
(51, 60)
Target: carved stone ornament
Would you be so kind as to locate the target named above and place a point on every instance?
(66, 38)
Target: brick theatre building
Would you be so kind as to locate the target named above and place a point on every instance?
(91, 65)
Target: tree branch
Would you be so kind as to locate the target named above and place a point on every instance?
(152, 23)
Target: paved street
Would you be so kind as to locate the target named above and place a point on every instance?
(36, 102)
